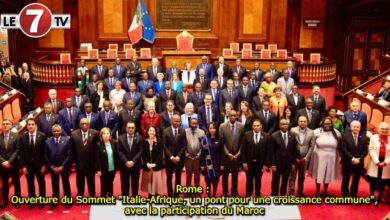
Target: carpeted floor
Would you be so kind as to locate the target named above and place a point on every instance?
(307, 211)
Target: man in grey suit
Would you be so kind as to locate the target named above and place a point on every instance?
(192, 162)
(305, 140)
(9, 150)
(229, 133)
(286, 83)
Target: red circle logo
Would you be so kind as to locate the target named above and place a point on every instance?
(35, 20)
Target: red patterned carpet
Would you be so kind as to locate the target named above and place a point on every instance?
(318, 212)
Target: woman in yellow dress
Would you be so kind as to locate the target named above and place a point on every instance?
(268, 85)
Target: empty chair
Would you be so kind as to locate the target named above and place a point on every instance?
(367, 109)
(16, 113)
(376, 119)
(7, 112)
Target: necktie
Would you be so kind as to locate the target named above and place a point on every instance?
(85, 139)
(232, 129)
(230, 93)
(47, 117)
(118, 68)
(78, 101)
(309, 115)
(253, 83)
(201, 80)
(128, 81)
(89, 118)
(170, 115)
(54, 105)
(285, 140)
(70, 115)
(6, 137)
(175, 133)
(355, 138)
(106, 117)
(208, 115)
(100, 69)
(111, 81)
(354, 115)
(204, 66)
(130, 114)
(168, 93)
(245, 90)
(32, 140)
(384, 95)
(130, 142)
(266, 117)
(132, 95)
(257, 138)
(316, 99)
(57, 141)
(185, 97)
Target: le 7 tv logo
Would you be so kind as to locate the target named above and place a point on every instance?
(35, 20)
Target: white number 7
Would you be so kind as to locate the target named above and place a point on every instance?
(34, 24)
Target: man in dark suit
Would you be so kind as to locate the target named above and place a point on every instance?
(119, 69)
(171, 70)
(312, 115)
(229, 95)
(127, 80)
(207, 113)
(165, 95)
(295, 100)
(154, 69)
(56, 103)
(245, 92)
(79, 100)
(144, 84)
(110, 80)
(259, 73)
(100, 70)
(129, 114)
(209, 71)
(220, 79)
(108, 118)
(384, 91)
(253, 81)
(167, 115)
(130, 147)
(267, 118)
(319, 102)
(355, 148)
(293, 73)
(254, 153)
(135, 68)
(58, 158)
(68, 117)
(92, 117)
(354, 113)
(174, 138)
(182, 99)
(283, 153)
(215, 93)
(197, 96)
(257, 101)
(47, 120)
(229, 133)
(275, 73)
(203, 80)
(133, 95)
(27, 90)
(9, 149)
(91, 87)
(32, 148)
(241, 70)
(236, 80)
(223, 66)
(84, 142)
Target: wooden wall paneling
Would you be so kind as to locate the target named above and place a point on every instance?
(56, 37)
(278, 24)
(112, 20)
(88, 22)
(254, 16)
(312, 37)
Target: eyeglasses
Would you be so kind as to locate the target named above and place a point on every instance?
(131, 127)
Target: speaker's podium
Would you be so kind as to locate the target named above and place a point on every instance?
(184, 52)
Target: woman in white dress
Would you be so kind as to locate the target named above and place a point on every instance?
(116, 96)
(188, 76)
(378, 171)
(324, 164)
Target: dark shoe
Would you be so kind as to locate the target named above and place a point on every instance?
(301, 195)
(3, 205)
(31, 206)
(41, 206)
(68, 206)
(53, 206)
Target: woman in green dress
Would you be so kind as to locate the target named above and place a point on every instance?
(337, 122)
